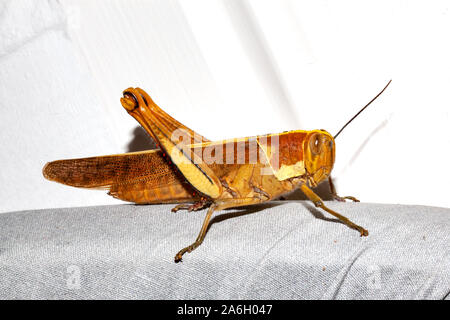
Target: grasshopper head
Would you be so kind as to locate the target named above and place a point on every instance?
(319, 156)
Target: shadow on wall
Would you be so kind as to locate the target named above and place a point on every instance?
(142, 141)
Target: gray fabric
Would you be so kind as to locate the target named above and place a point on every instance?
(282, 250)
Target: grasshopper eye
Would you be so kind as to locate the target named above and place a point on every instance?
(315, 144)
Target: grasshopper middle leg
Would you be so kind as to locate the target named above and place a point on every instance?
(215, 206)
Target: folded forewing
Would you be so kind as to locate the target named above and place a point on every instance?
(106, 171)
(141, 177)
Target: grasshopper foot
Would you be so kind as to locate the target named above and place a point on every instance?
(191, 207)
(343, 199)
(179, 255)
(181, 207)
(362, 232)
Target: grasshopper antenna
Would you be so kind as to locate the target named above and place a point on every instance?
(362, 109)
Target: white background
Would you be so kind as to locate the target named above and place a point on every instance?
(227, 68)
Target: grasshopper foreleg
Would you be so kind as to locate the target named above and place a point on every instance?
(319, 203)
(336, 196)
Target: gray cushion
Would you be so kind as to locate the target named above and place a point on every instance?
(281, 250)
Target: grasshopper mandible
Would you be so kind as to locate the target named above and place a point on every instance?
(196, 173)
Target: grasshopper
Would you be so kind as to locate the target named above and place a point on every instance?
(195, 173)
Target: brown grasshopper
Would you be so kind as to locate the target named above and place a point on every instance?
(196, 172)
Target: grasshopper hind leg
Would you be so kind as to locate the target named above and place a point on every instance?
(336, 196)
(200, 236)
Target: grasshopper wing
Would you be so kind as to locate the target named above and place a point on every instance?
(140, 177)
(174, 138)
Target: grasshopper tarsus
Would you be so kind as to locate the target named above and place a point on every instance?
(343, 199)
(180, 207)
(198, 205)
(178, 256)
(363, 232)
(188, 249)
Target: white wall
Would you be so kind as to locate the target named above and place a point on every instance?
(228, 68)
